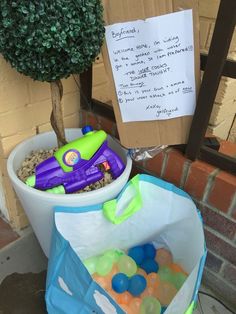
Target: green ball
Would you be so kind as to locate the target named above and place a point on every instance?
(166, 274)
(179, 279)
(104, 265)
(90, 264)
(114, 254)
(127, 265)
(150, 305)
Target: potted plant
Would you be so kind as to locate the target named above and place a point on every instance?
(48, 41)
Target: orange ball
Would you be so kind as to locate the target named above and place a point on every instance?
(177, 268)
(127, 309)
(163, 257)
(104, 282)
(142, 272)
(135, 305)
(149, 291)
(153, 280)
(165, 292)
(124, 298)
(113, 294)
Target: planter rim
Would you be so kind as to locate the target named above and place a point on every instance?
(59, 197)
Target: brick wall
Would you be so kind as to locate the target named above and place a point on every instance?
(25, 108)
(213, 191)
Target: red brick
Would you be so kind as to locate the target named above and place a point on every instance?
(154, 164)
(223, 191)
(197, 178)
(174, 167)
(93, 120)
(213, 262)
(218, 222)
(220, 247)
(229, 274)
(7, 235)
(83, 118)
(106, 125)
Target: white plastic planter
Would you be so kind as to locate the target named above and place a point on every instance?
(38, 205)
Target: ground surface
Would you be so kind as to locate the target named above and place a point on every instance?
(23, 294)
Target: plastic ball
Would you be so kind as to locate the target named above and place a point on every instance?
(163, 257)
(127, 265)
(153, 280)
(150, 305)
(114, 255)
(104, 265)
(150, 266)
(137, 285)
(104, 282)
(149, 251)
(179, 279)
(148, 292)
(127, 309)
(113, 271)
(142, 272)
(166, 274)
(177, 268)
(135, 305)
(90, 264)
(124, 298)
(137, 254)
(120, 283)
(163, 309)
(165, 292)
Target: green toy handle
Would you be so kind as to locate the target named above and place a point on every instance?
(110, 207)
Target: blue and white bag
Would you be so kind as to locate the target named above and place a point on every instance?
(147, 210)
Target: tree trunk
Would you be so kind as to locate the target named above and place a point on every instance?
(57, 115)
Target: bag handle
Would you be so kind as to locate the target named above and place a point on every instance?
(110, 207)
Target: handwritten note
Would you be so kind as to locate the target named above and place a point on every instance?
(153, 66)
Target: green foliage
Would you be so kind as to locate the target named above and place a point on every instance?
(49, 40)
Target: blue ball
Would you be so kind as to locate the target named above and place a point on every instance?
(149, 251)
(120, 283)
(137, 254)
(163, 309)
(137, 284)
(150, 266)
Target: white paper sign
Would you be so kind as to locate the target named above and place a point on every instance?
(153, 66)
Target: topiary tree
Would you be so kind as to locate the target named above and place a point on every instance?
(50, 40)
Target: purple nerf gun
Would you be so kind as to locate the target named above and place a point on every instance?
(75, 165)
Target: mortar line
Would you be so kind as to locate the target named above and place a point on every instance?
(219, 235)
(209, 185)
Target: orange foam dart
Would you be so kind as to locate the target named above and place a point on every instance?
(106, 166)
(177, 268)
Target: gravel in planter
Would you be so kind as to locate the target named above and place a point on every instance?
(27, 169)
